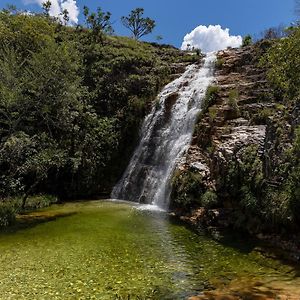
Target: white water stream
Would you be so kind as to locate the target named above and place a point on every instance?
(165, 136)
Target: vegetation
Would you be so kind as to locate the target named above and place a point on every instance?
(210, 97)
(138, 25)
(71, 103)
(219, 63)
(233, 101)
(187, 189)
(259, 184)
(98, 22)
(283, 62)
(10, 207)
(247, 40)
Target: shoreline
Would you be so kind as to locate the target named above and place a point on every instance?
(217, 224)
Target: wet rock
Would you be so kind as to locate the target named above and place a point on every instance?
(170, 101)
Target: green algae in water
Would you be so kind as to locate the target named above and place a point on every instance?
(110, 250)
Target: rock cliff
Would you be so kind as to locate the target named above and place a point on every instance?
(234, 172)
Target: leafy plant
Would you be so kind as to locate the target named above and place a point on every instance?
(210, 97)
(247, 40)
(209, 199)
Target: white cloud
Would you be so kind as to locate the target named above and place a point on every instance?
(72, 8)
(57, 7)
(211, 38)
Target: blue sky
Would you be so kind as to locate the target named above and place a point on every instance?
(176, 18)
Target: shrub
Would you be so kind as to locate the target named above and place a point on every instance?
(219, 63)
(210, 97)
(186, 188)
(233, 97)
(198, 52)
(209, 199)
(247, 40)
(277, 207)
(7, 213)
(282, 61)
(263, 116)
(212, 113)
(40, 201)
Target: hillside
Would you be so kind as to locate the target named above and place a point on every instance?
(71, 106)
(242, 169)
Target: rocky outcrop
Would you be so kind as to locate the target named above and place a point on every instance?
(227, 128)
(238, 150)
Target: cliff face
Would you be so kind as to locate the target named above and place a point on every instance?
(235, 171)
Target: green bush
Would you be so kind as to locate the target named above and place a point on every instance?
(40, 201)
(209, 199)
(210, 97)
(233, 97)
(247, 40)
(7, 213)
(219, 63)
(187, 188)
(262, 116)
(282, 61)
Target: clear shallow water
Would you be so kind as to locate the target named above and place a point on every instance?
(111, 250)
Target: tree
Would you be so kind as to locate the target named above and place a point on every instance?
(65, 15)
(99, 23)
(247, 40)
(283, 63)
(138, 25)
(46, 7)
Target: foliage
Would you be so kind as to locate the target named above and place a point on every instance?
(219, 63)
(137, 24)
(233, 97)
(70, 106)
(99, 23)
(293, 183)
(283, 63)
(7, 214)
(46, 7)
(275, 33)
(210, 97)
(198, 51)
(187, 188)
(209, 199)
(247, 40)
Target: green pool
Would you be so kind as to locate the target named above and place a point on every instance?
(111, 250)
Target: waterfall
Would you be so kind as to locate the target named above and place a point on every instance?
(165, 136)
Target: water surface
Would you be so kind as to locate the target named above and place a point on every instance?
(112, 250)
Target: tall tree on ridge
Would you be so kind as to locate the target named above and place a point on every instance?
(138, 25)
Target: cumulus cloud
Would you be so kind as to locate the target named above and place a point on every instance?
(211, 38)
(57, 7)
(72, 8)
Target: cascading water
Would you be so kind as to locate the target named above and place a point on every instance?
(165, 136)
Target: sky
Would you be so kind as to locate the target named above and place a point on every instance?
(177, 19)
